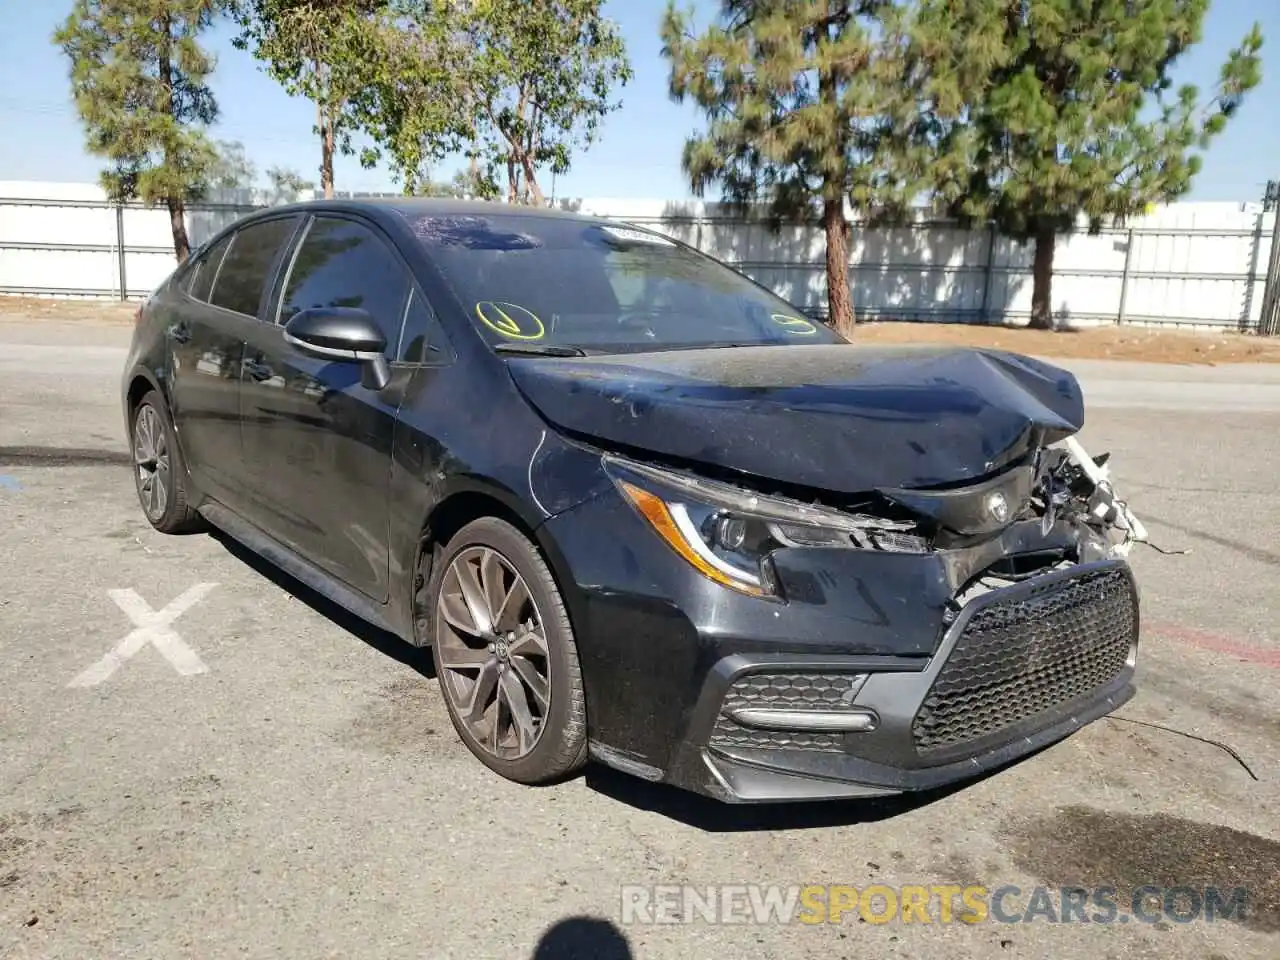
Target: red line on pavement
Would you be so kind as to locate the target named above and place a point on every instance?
(1207, 640)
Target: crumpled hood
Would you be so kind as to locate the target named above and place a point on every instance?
(842, 418)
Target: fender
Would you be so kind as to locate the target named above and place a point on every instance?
(447, 492)
(160, 384)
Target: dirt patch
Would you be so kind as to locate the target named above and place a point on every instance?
(61, 457)
(1079, 846)
(1090, 343)
(406, 717)
(23, 834)
(49, 308)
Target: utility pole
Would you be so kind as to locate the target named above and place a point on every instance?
(1269, 320)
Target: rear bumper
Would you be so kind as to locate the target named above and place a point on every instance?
(1018, 668)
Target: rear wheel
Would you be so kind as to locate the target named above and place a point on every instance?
(158, 470)
(505, 655)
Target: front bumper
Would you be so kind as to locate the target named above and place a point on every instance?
(670, 659)
(1018, 668)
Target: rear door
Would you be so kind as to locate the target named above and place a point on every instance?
(205, 349)
(318, 440)
(221, 304)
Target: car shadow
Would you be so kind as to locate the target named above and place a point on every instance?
(583, 938)
(714, 816)
(416, 658)
(683, 806)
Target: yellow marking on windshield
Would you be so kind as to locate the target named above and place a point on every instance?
(798, 326)
(510, 320)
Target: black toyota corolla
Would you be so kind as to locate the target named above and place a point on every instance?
(640, 508)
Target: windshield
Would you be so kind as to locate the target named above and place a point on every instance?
(550, 282)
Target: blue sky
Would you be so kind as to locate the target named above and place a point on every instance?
(637, 154)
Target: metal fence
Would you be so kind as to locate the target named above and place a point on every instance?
(94, 248)
(1190, 265)
(1187, 265)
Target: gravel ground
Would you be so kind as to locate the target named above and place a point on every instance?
(305, 795)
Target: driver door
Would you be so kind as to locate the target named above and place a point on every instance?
(319, 440)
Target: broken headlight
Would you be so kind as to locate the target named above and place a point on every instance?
(728, 534)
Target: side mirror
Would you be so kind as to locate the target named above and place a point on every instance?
(342, 333)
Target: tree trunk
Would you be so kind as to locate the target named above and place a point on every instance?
(177, 209)
(1042, 281)
(178, 224)
(513, 182)
(326, 152)
(839, 301)
(834, 223)
(531, 180)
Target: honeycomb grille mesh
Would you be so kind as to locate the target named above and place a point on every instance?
(782, 691)
(1021, 657)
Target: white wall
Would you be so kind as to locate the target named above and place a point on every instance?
(83, 227)
(1189, 263)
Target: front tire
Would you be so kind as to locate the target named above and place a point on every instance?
(505, 655)
(159, 474)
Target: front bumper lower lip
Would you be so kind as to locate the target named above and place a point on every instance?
(753, 777)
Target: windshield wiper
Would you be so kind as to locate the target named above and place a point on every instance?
(540, 349)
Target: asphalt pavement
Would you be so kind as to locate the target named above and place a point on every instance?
(253, 773)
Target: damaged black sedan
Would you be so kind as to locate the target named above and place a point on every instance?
(640, 508)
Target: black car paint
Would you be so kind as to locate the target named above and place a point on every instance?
(308, 416)
(812, 415)
(207, 349)
(343, 486)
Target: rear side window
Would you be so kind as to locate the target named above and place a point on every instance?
(341, 263)
(206, 268)
(246, 265)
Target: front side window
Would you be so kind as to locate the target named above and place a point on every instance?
(603, 287)
(341, 263)
(246, 266)
(422, 340)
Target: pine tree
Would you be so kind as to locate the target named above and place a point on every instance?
(811, 109)
(138, 75)
(1071, 113)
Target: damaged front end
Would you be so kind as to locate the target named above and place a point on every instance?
(909, 638)
(822, 574)
(1056, 508)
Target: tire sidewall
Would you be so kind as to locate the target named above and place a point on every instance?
(562, 650)
(173, 508)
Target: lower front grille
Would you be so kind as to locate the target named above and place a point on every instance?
(783, 691)
(1025, 656)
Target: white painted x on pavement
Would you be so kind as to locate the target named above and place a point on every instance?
(151, 627)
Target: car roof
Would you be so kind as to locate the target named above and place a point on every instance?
(412, 207)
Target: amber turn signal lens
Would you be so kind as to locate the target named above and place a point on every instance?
(653, 509)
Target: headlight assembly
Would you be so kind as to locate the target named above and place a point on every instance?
(729, 534)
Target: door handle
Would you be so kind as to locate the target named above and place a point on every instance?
(257, 370)
(180, 332)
